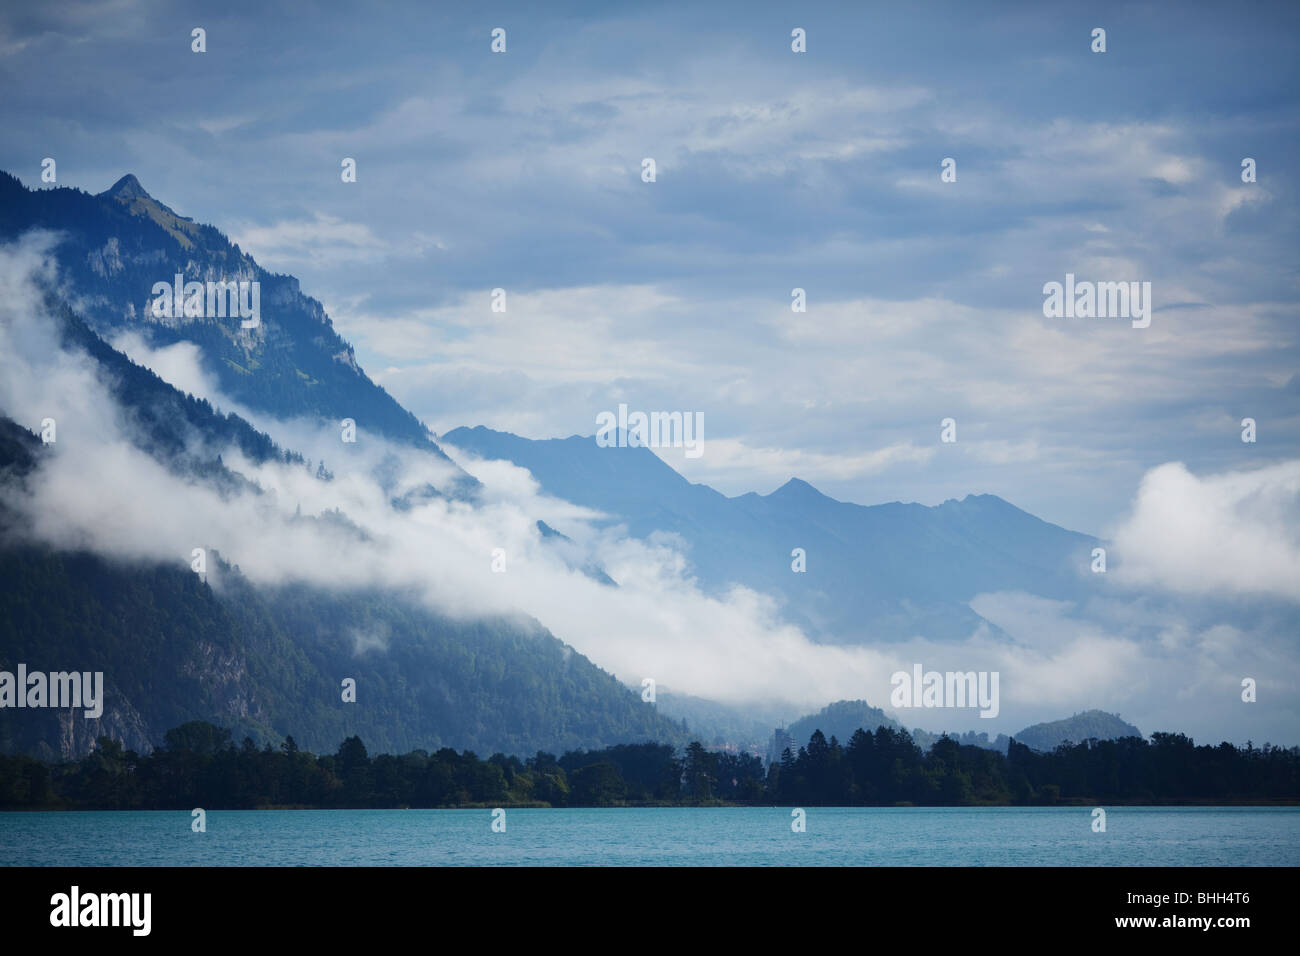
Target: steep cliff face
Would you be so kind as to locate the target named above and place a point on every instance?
(224, 675)
(161, 640)
(76, 733)
(220, 675)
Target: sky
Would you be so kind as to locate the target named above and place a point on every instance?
(775, 170)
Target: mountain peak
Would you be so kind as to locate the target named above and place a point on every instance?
(132, 198)
(797, 487)
(980, 502)
(126, 188)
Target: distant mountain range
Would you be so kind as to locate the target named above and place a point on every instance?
(719, 724)
(880, 572)
(842, 718)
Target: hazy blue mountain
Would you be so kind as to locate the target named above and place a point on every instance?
(716, 724)
(873, 572)
(840, 720)
(1085, 726)
(843, 717)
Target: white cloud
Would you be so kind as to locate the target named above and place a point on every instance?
(322, 242)
(731, 462)
(179, 364)
(1237, 532)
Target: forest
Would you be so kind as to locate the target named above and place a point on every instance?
(201, 766)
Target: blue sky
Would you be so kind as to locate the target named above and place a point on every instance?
(775, 170)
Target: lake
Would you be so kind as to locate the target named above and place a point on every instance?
(678, 836)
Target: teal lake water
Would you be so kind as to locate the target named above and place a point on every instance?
(835, 836)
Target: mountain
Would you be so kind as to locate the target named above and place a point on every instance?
(115, 246)
(880, 572)
(717, 724)
(843, 717)
(1085, 726)
(840, 720)
(174, 648)
(267, 661)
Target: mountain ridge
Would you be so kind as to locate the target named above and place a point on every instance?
(887, 571)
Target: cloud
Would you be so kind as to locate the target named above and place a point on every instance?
(730, 462)
(179, 364)
(321, 242)
(1235, 533)
(1149, 661)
